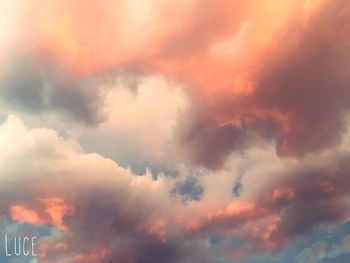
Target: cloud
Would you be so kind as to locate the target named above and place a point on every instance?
(103, 211)
(250, 75)
(208, 144)
(296, 94)
(300, 197)
(30, 84)
(305, 80)
(69, 52)
(138, 120)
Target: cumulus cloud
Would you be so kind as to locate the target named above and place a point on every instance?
(138, 129)
(104, 211)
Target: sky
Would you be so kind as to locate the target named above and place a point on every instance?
(159, 131)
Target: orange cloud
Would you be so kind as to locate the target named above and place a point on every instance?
(52, 213)
(157, 227)
(23, 214)
(57, 209)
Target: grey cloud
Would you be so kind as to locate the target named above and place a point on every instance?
(209, 145)
(33, 85)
